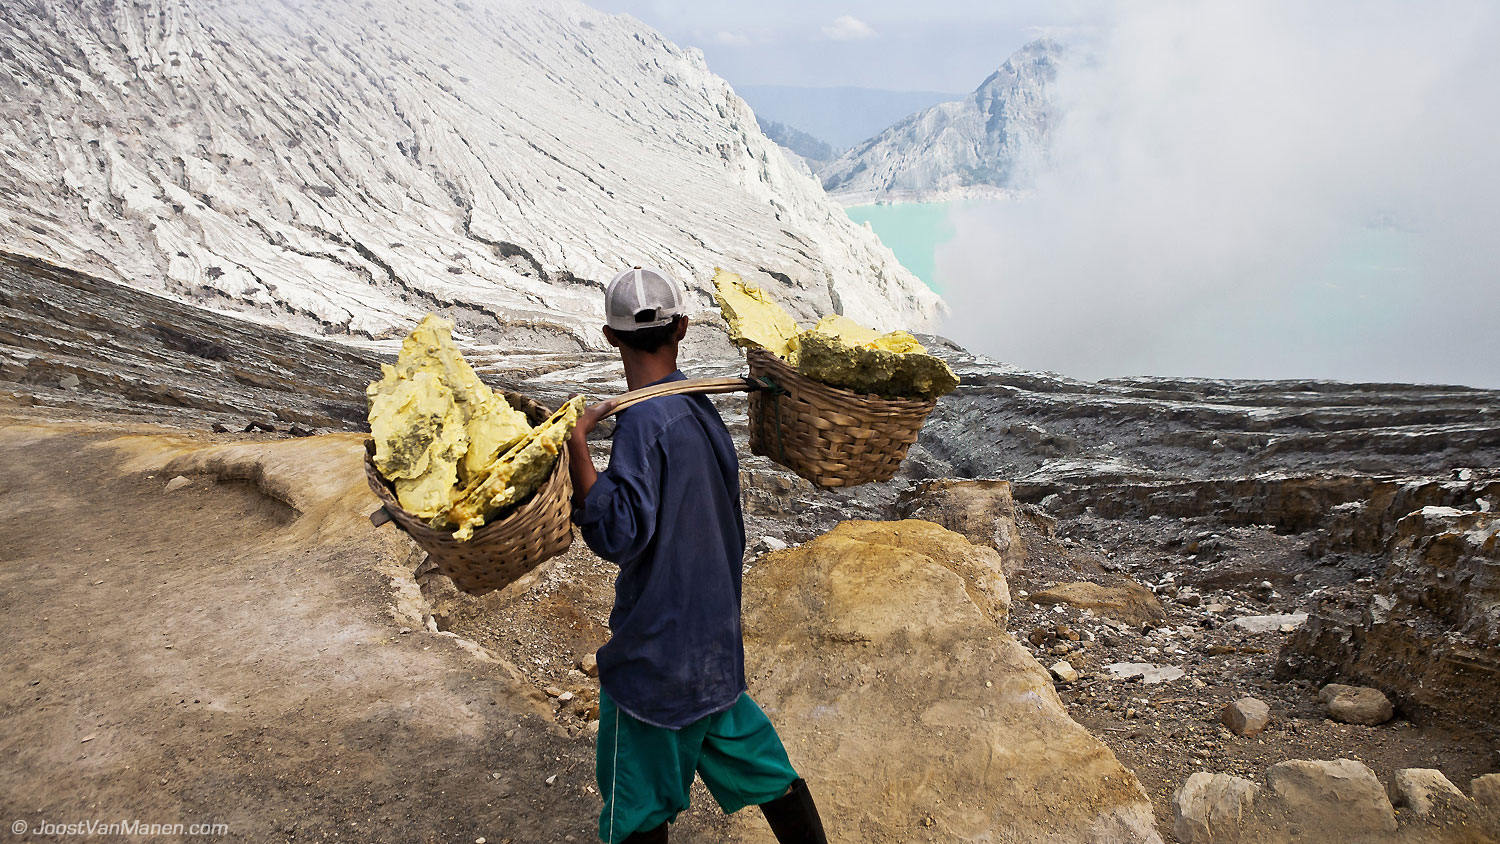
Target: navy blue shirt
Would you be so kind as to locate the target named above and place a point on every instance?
(667, 511)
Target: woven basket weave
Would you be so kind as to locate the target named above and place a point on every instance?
(501, 551)
(830, 436)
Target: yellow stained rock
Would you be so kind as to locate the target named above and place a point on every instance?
(435, 424)
(514, 476)
(754, 319)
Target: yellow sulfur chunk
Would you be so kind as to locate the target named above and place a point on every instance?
(854, 334)
(419, 439)
(494, 427)
(754, 319)
(837, 351)
(435, 424)
(874, 370)
(514, 476)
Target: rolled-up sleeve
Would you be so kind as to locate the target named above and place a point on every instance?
(618, 516)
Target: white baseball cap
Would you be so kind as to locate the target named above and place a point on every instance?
(641, 297)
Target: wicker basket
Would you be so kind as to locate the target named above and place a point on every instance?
(830, 436)
(501, 551)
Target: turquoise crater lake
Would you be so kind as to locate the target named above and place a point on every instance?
(912, 230)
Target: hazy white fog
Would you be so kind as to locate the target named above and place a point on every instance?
(1256, 189)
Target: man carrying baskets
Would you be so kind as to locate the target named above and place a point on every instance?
(672, 696)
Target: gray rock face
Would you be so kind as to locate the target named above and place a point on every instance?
(131, 353)
(993, 140)
(1428, 630)
(1283, 453)
(349, 170)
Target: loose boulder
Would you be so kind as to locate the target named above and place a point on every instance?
(983, 511)
(874, 651)
(1423, 789)
(1247, 716)
(1213, 808)
(1130, 602)
(1356, 704)
(1486, 791)
(1340, 800)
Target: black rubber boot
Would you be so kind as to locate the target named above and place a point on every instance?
(649, 836)
(794, 818)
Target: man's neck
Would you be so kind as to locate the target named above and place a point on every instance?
(643, 368)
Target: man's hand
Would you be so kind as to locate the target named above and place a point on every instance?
(580, 465)
(590, 418)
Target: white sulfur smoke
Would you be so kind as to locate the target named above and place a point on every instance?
(1255, 188)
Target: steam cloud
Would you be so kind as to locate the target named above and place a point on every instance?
(1255, 188)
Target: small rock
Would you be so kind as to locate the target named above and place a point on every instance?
(767, 544)
(589, 665)
(69, 382)
(177, 483)
(1246, 716)
(258, 425)
(552, 780)
(299, 431)
(1270, 623)
(1422, 789)
(221, 428)
(1219, 650)
(1216, 608)
(564, 697)
(1064, 671)
(553, 691)
(1356, 704)
(593, 726)
(1149, 674)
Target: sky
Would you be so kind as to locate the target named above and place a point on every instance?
(935, 45)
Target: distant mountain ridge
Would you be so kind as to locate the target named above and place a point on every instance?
(842, 117)
(990, 142)
(811, 149)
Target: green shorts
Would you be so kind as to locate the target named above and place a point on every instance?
(644, 772)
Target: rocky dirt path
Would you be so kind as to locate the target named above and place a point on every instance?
(214, 655)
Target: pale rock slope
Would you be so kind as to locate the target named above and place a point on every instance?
(346, 166)
(989, 143)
